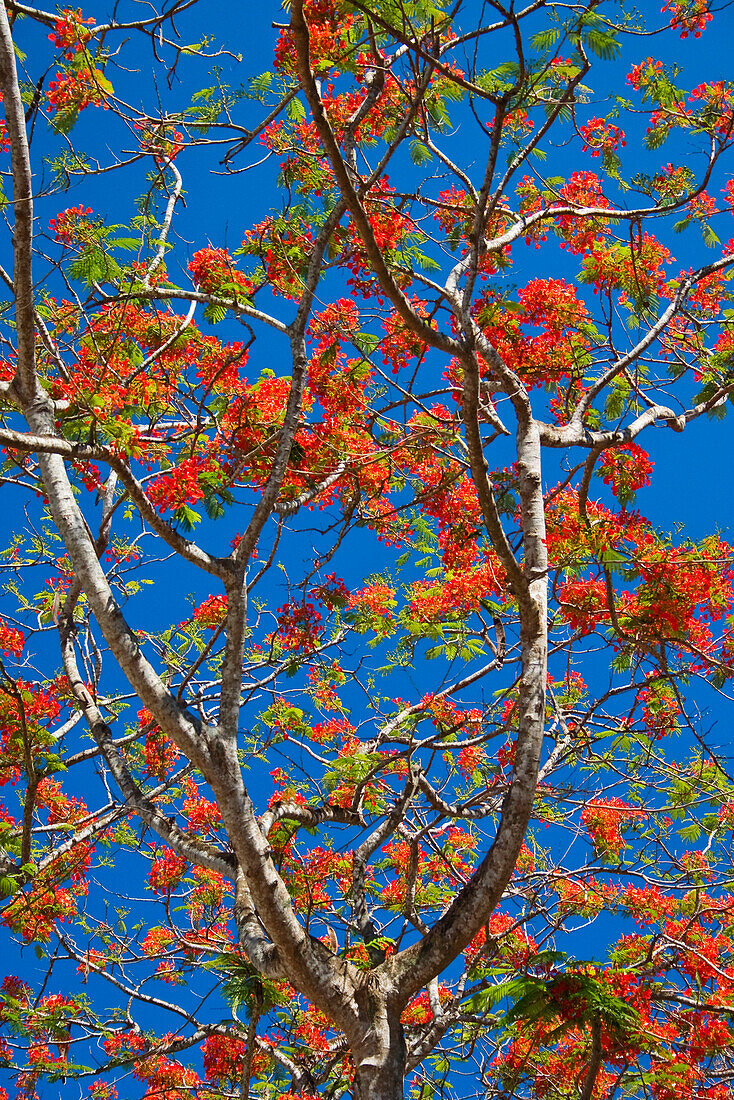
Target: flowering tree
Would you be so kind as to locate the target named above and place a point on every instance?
(414, 792)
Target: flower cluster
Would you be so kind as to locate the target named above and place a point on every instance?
(323, 684)
(626, 469)
(645, 73)
(211, 613)
(470, 758)
(102, 1090)
(601, 136)
(76, 89)
(330, 25)
(660, 708)
(166, 1078)
(181, 486)
(691, 16)
(283, 248)
(71, 33)
(203, 814)
(455, 212)
(503, 940)
(371, 607)
(419, 1011)
(516, 124)
(166, 872)
(299, 626)
(581, 232)
(714, 106)
(213, 270)
(72, 226)
(701, 207)
(12, 640)
(223, 1059)
(123, 1042)
(583, 603)
(332, 591)
(33, 915)
(160, 754)
(603, 819)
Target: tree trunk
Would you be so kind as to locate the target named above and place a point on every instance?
(380, 1060)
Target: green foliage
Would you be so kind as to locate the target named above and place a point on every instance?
(574, 997)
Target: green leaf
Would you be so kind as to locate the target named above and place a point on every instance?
(94, 265)
(604, 44)
(53, 765)
(214, 313)
(259, 85)
(656, 137)
(295, 110)
(64, 121)
(420, 153)
(129, 244)
(213, 507)
(186, 517)
(709, 237)
(544, 40)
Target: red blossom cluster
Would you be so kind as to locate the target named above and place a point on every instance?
(71, 226)
(503, 935)
(604, 818)
(644, 73)
(76, 89)
(213, 270)
(635, 270)
(371, 607)
(691, 16)
(470, 758)
(701, 207)
(554, 307)
(166, 1078)
(601, 136)
(160, 754)
(419, 1010)
(329, 24)
(454, 213)
(12, 640)
(335, 731)
(202, 813)
(660, 708)
(102, 1090)
(315, 876)
(714, 104)
(283, 248)
(626, 469)
(166, 872)
(123, 1042)
(579, 232)
(299, 626)
(71, 32)
(211, 613)
(33, 916)
(323, 684)
(223, 1058)
(390, 228)
(182, 486)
